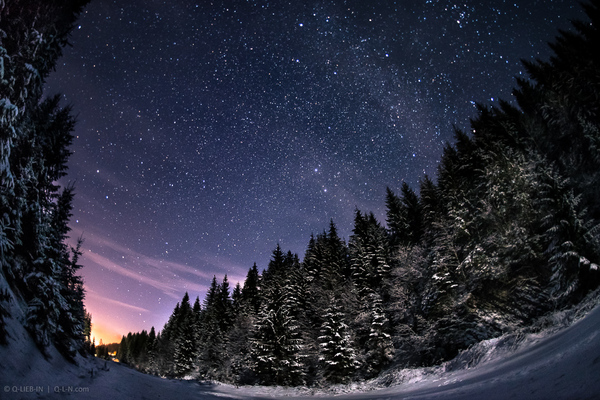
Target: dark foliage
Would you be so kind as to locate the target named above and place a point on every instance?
(35, 135)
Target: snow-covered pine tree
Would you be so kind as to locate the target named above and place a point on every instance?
(49, 276)
(237, 365)
(212, 351)
(395, 218)
(152, 363)
(369, 257)
(165, 344)
(185, 351)
(336, 349)
(573, 247)
(430, 208)
(379, 346)
(277, 343)
(404, 307)
(237, 300)
(215, 322)
(34, 139)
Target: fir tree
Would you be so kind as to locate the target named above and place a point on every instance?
(184, 355)
(369, 253)
(404, 216)
(250, 291)
(237, 300)
(277, 343)
(223, 306)
(379, 349)
(276, 268)
(337, 354)
(166, 343)
(215, 321)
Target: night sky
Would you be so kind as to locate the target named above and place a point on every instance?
(211, 131)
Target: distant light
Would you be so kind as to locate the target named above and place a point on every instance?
(301, 24)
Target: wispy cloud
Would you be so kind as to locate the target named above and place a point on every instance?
(170, 278)
(163, 283)
(165, 276)
(94, 295)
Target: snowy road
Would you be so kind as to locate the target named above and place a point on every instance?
(565, 365)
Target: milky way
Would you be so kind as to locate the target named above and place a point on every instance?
(209, 132)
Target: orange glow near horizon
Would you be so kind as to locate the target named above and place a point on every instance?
(105, 334)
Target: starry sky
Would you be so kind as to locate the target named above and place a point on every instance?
(210, 131)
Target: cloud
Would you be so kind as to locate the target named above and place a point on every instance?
(93, 294)
(165, 276)
(163, 283)
(170, 278)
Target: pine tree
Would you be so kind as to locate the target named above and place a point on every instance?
(152, 366)
(165, 345)
(224, 307)
(337, 264)
(369, 256)
(404, 217)
(237, 366)
(215, 320)
(184, 355)
(87, 334)
(250, 291)
(337, 354)
(276, 269)
(123, 350)
(277, 343)
(396, 218)
(379, 346)
(237, 301)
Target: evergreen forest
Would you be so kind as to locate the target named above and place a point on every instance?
(506, 233)
(39, 271)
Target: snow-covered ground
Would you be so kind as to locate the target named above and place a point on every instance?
(563, 364)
